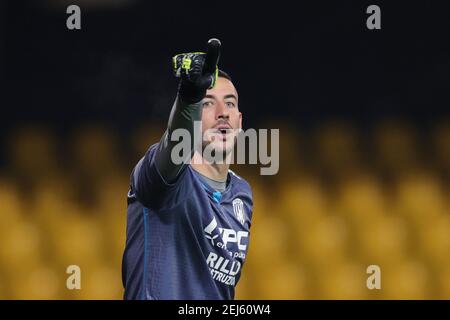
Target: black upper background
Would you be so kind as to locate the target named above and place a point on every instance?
(303, 61)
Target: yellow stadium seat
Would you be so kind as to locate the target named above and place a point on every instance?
(39, 282)
(100, 282)
(443, 283)
(144, 137)
(291, 150)
(263, 204)
(78, 240)
(420, 198)
(52, 201)
(21, 246)
(345, 280)
(319, 238)
(11, 206)
(110, 213)
(112, 194)
(324, 242)
(408, 279)
(361, 200)
(396, 146)
(5, 293)
(441, 142)
(383, 240)
(114, 229)
(32, 152)
(95, 151)
(337, 147)
(302, 202)
(245, 289)
(433, 240)
(268, 238)
(281, 280)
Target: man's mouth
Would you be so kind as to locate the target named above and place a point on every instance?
(223, 128)
(223, 131)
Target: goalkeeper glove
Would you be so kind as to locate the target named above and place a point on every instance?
(198, 72)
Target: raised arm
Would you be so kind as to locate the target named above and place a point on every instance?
(197, 72)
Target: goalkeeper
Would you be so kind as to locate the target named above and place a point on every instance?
(188, 223)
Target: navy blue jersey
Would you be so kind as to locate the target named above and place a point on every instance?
(184, 240)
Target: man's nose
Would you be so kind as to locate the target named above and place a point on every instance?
(222, 111)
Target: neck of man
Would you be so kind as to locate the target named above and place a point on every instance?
(214, 171)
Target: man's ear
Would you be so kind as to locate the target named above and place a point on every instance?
(240, 120)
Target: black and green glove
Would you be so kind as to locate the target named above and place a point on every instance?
(198, 71)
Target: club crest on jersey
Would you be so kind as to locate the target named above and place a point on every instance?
(238, 209)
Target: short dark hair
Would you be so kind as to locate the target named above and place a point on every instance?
(225, 75)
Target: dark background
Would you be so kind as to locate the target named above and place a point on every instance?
(304, 61)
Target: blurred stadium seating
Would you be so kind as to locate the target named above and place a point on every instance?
(344, 199)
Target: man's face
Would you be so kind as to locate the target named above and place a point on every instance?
(221, 118)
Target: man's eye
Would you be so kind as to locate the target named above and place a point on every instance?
(207, 103)
(230, 104)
